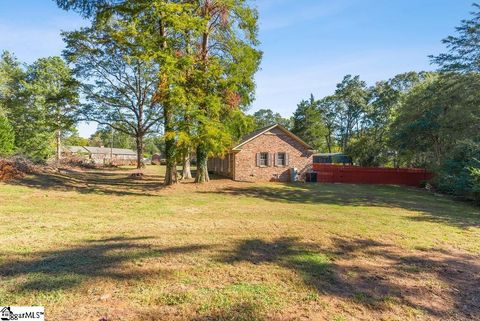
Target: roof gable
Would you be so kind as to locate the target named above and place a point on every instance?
(247, 138)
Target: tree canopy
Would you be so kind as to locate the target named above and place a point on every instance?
(119, 88)
(463, 50)
(39, 101)
(265, 117)
(206, 56)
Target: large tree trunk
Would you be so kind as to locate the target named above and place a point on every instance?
(202, 153)
(171, 170)
(171, 166)
(139, 142)
(202, 170)
(186, 171)
(329, 142)
(58, 151)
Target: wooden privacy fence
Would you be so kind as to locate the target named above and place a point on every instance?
(370, 175)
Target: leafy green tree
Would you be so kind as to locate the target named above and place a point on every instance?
(463, 50)
(227, 60)
(7, 136)
(160, 31)
(87, 8)
(265, 117)
(72, 138)
(154, 143)
(27, 115)
(105, 135)
(327, 107)
(95, 140)
(371, 146)
(352, 96)
(459, 171)
(55, 93)
(119, 88)
(308, 123)
(437, 114)
(13, 99)
(207, 53)
(12, 80)
(475, 190)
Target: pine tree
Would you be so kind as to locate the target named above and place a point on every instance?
(7, 136)
(463, 50)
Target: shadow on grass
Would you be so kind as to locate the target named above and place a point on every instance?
(105, 181)
(97, 182)
(106, 258)
(374, 275)
(434, 208)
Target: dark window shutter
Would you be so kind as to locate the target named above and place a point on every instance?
(275, 159)
(258, 159)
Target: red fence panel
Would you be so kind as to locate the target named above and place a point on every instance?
(370, 175)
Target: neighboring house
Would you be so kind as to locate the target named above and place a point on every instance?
(267, 154)
(102, 155)
(158, 159)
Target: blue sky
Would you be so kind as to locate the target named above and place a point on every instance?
(308, 45)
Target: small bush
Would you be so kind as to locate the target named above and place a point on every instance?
(459, 174)
(475, 173)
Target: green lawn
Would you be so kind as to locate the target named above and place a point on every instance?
(100, 245)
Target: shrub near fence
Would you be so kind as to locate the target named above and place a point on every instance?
(371, 175)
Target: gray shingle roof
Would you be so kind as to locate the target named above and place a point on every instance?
(100, 150)
(107, 150)
(74, 149)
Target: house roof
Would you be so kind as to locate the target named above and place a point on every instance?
(330, 154)
(100, 150)
(108, 150)
(249, 137)
(75, 149)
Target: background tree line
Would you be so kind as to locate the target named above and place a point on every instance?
(38, 104)
(424, 119)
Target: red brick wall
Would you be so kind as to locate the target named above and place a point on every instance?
(274, 141)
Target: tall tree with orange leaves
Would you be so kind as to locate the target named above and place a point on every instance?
(207, 55)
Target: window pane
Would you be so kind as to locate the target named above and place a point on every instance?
(263, 159)
(281, 159)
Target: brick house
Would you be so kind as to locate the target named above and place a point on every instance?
(102, 155)
(267, 154)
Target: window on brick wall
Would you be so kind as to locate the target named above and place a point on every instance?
(262, 159)
(281, 159)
